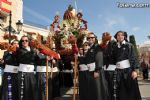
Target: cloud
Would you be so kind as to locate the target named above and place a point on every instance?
(115, 21)
(36, 14)
(135, 29)
(112, 22)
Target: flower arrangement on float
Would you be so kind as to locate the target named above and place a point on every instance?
(70, 33)
(68, 36)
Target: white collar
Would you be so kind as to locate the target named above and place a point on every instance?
(28, 48)
(119, 45)
(124, 42)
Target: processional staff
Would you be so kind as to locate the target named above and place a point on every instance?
(75, 51)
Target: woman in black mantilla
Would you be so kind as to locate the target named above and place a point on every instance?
(27, 81)
(97, 86)
(126, 63)
(10, 81)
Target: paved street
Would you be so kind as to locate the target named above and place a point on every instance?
(145, 89)
(143, 84)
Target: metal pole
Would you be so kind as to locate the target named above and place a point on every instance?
(10, 27)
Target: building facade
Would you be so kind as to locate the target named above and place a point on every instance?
(16, 9)
(144, 51)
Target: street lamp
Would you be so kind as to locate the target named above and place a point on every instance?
(19, 25)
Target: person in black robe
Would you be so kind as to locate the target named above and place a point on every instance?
(41, 77)
(66, 70)
(26, 76)
(96, 78)
(53, 77)
(126, 63)
(10, 81)
(107, 47)
(144, 67)
(83, 72)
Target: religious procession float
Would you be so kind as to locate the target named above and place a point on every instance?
(67, 34)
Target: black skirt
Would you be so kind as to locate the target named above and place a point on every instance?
(96, 87)
(103, 86)
(66, 79)
(9, 86)
(110, 81)
(83, 86)
(55, 85)
(41, 85)
(27, 86)
(127, 87)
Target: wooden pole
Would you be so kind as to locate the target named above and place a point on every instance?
(75, 78)
(46, 78)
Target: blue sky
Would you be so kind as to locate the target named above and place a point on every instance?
(102, 15)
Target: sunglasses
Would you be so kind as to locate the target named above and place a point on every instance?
(24, 40)
(90, 37)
